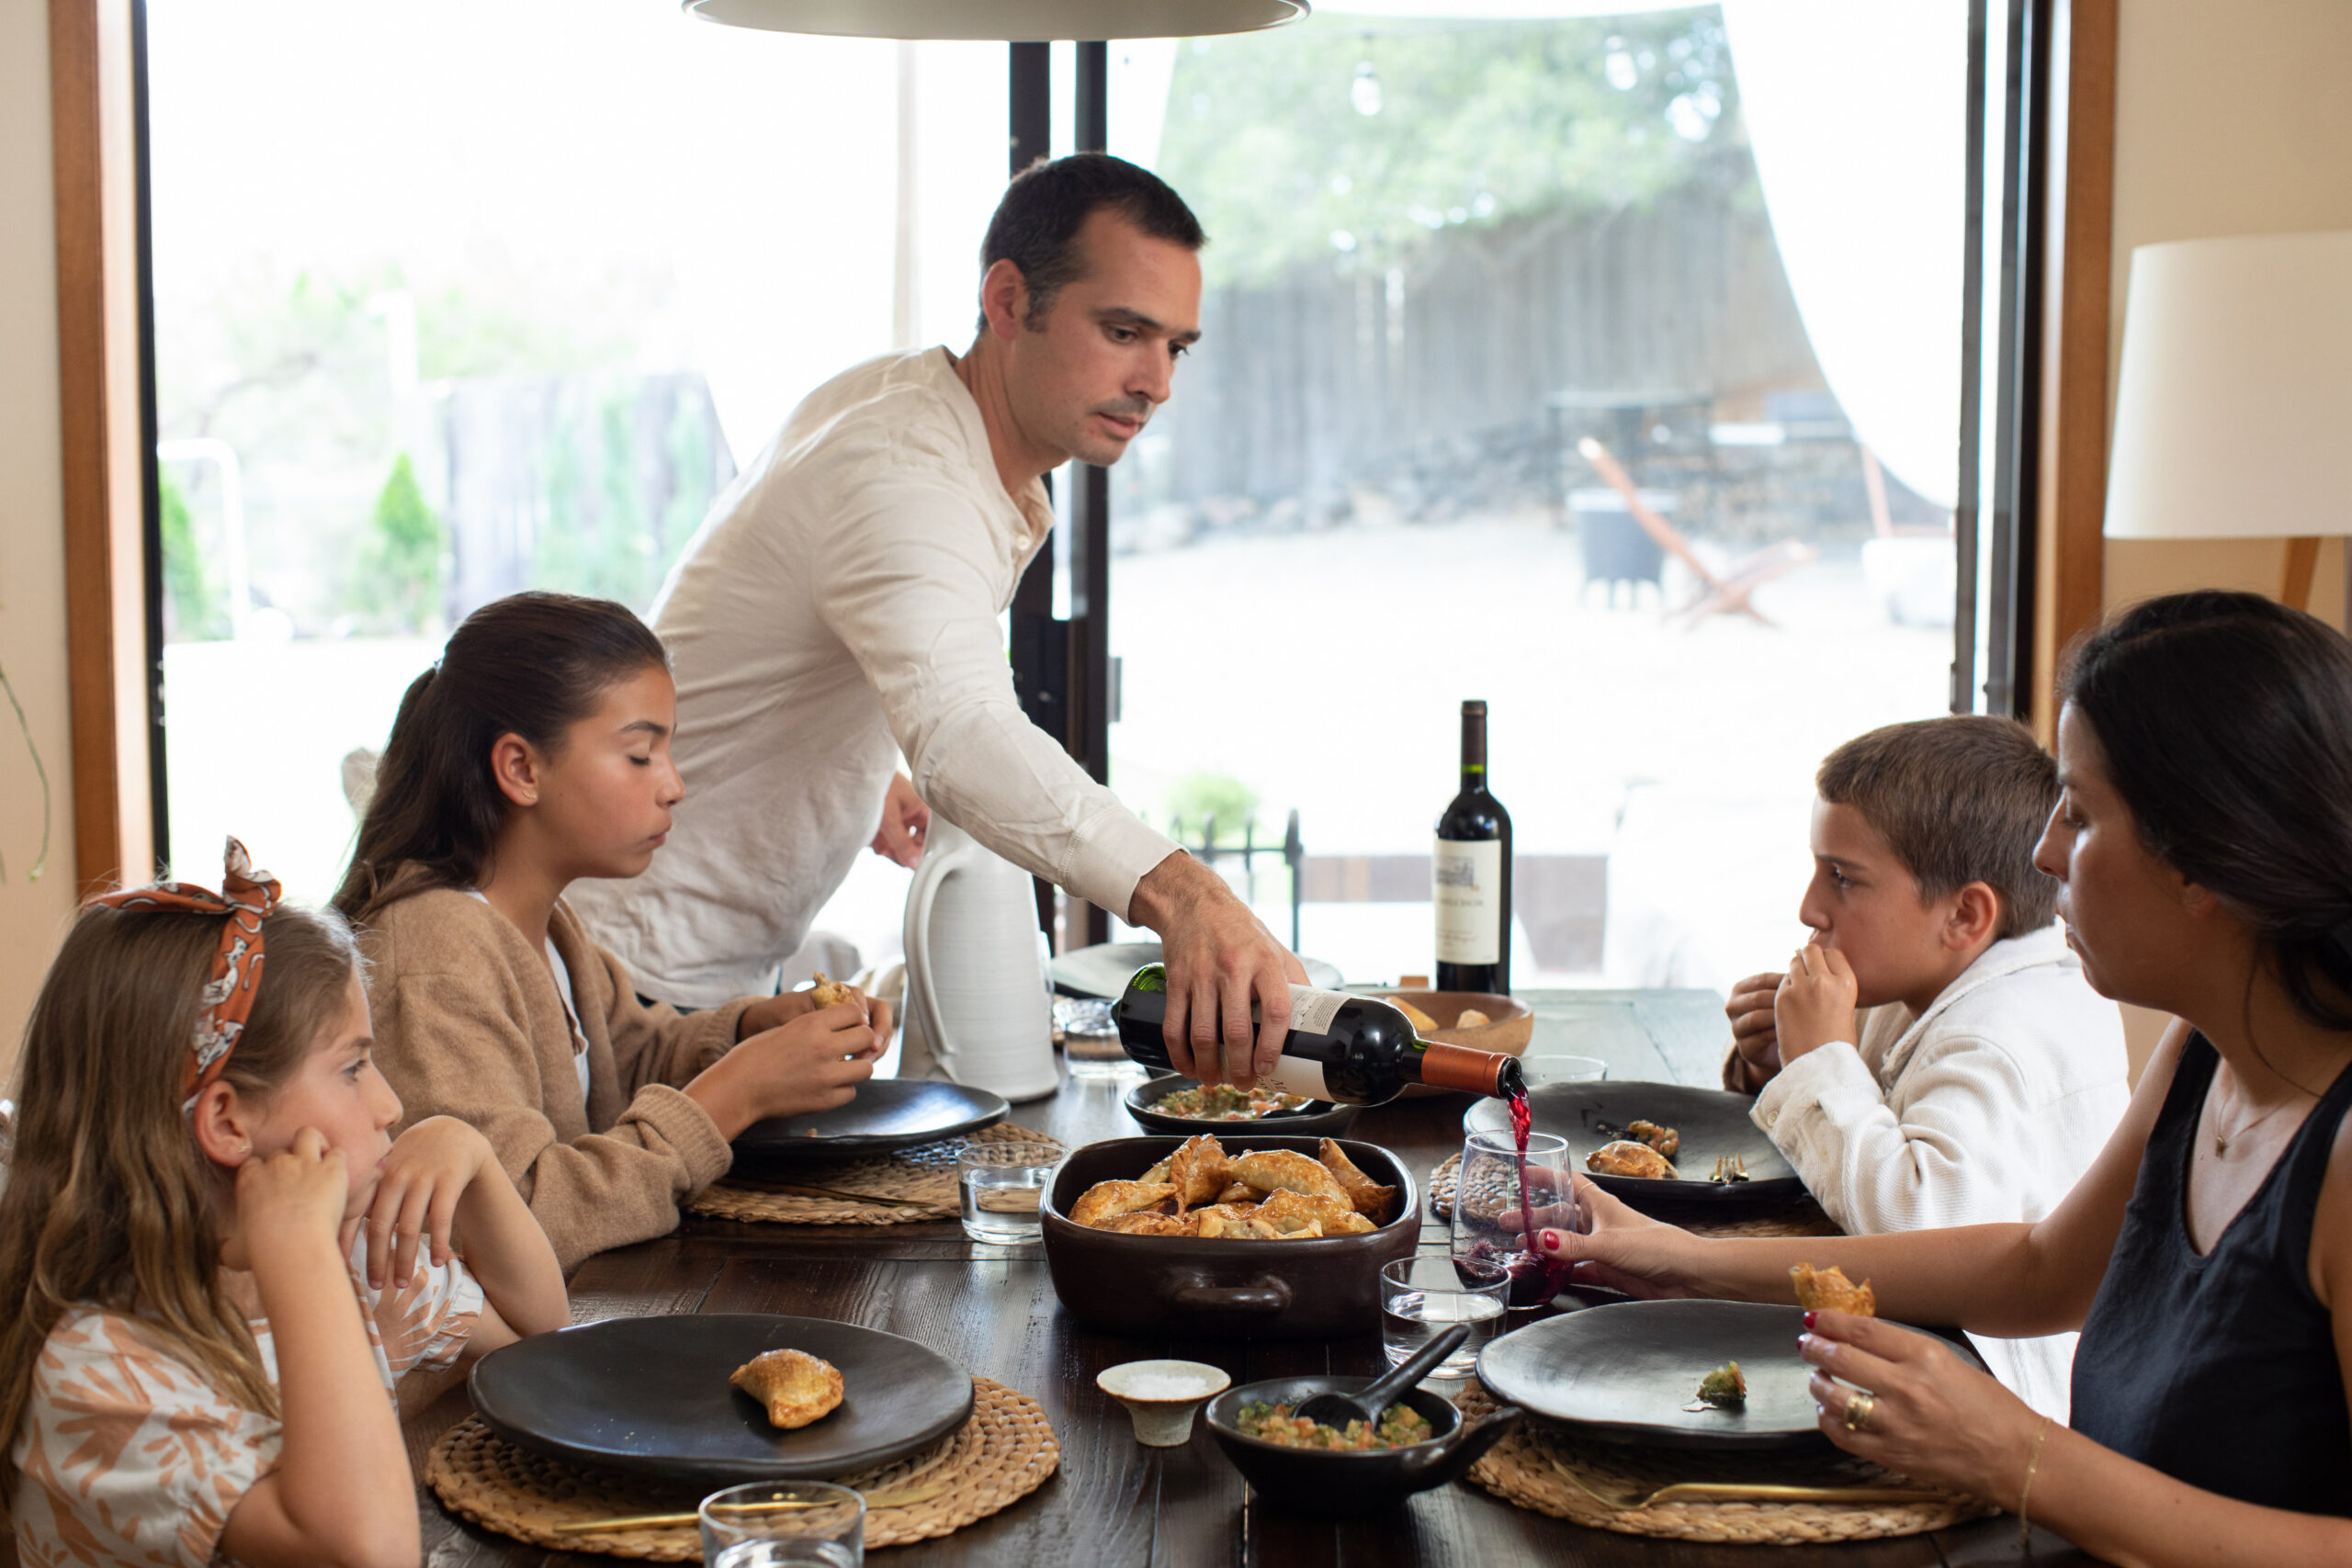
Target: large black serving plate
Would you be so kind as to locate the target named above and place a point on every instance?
(1320, 1116)
(888, 1113)
(1104, 969)
(1712, 1123)
(650, 1396)
(1631, 1371)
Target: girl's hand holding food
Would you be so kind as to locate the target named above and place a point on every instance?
(424, 1178)
(814, 1062)
(775, 1012)
(288, 1199)
(1917, 1407)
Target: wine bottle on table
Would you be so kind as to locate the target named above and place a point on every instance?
(1356, 1050)
(1470, 874)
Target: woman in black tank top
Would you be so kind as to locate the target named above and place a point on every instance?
(2205, 843)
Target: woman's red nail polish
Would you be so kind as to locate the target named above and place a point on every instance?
(1808, 1320)
(1551, 1240)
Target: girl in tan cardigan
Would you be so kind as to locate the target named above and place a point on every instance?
(536, 752)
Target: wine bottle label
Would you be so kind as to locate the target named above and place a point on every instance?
(1311, 1011)
(1466, 883)
(1296, 1075)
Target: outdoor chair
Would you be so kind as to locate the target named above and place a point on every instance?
(1720, 592)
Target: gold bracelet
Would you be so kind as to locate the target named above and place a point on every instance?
(2032, 1464)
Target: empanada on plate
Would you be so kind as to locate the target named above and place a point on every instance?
(795, 1387)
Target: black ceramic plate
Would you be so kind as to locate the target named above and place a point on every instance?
(1316, 1116)
(1630, 1371)
(650, 1395)
(888, 1113)
(1104, 969)
(1712, 1123)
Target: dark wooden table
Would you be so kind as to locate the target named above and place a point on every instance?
(1113, 1503)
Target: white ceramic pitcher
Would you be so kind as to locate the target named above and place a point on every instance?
(976, 1008)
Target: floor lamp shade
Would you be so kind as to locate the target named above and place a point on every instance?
(2233, 413)
(1016, 21)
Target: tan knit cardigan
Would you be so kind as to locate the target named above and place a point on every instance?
(469, 1024)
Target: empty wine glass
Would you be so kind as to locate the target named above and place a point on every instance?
(1491, 1222)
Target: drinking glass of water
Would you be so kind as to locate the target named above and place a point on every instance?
(1000, 1188)
(784, 1524)
(1090, 1041)
(1420, 1298)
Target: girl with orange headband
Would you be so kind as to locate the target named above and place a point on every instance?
(200, 1192)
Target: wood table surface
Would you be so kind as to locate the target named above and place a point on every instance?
(1113, 1503)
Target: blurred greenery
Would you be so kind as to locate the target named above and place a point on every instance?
(199, 609)
(1474, 125)
(401, 570)
(1218, 795)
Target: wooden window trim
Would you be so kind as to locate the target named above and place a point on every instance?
(2079, 218)
(93, 108)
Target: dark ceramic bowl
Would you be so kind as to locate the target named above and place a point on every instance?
(1181, 1287)
(1320, 1117)
(1329, 1484)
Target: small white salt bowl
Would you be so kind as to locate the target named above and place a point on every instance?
(1161, 1396)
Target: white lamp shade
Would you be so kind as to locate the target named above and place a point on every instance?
(2233, 415)
(1014, 20)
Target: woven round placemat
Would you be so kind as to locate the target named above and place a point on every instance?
(1004, 1453)
(922, 1178)
(1542, 1469)
(1802, 1216)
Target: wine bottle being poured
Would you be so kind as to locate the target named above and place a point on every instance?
(1356, 1050)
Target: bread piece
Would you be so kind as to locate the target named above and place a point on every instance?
(1471, 1018)
(1626, 1158)
(1281, 1170)
(795, 1387)
(1828, 1289)
(1199, 1171)
(828, 992)
(1107, 1201)
(1371, 1198)
(1421, 1021)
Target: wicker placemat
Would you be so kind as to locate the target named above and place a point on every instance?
(1801, 1216)
(1545, 1470)
(922, 1180)
(1004, 1453)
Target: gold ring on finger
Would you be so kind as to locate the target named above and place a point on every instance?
(1857, 1412)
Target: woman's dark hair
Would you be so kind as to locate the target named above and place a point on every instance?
(2227, 720)
(1036, 222)
(530, 664)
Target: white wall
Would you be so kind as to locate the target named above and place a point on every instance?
(32, 550)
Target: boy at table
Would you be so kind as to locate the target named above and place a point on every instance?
(1933, 1056)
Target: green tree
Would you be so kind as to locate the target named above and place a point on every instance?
(402, 557)
(199, 611)
(1220, 796)
(1472, 125)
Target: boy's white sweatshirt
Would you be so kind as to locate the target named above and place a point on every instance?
(1986, 1107)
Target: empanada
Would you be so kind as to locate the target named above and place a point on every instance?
(1828, 1289)
(1293, 1213)
(828, 992)
(1199, 1171)
(1626, 1158)
(1146, 1223)
(795, 1387)
(1371, 1198)
(1108, 1200)
(1287, 1170)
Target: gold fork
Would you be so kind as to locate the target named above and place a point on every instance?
(900, 1499)
(1748, 1491)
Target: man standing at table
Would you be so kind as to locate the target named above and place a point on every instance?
(840, 606)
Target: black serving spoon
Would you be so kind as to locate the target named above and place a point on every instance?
(1365, 1405)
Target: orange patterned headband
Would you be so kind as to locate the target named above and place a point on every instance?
(246, 897)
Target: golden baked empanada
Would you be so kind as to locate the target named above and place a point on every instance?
(795, 1387)
(1370, 1197)
(1287, 1170)
(1626, 1158)
(1828, 1289)
(1109, 1200)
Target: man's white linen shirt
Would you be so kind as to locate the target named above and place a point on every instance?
(1988, 1107)
(838, 608)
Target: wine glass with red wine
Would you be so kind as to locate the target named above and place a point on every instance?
(1502, 1195)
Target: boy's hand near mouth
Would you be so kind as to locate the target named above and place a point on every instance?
(1815, 1004)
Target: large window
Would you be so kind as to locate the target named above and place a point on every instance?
(1540, 354)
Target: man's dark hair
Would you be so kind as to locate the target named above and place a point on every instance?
(1036, 227)
(1958, 800)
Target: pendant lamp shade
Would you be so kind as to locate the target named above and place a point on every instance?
(1026, 22)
